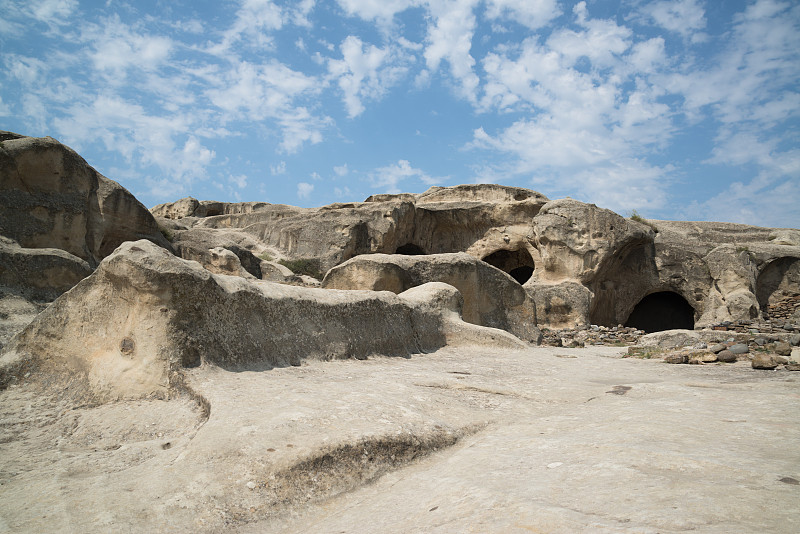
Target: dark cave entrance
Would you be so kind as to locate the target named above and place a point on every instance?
(410, 249)
(518, 263)
(664, 310)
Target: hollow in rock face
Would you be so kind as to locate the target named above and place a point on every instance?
(664, 310)
(517, 263)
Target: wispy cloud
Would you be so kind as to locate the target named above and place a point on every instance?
(389, 178)
(304, 190)
(553, 95)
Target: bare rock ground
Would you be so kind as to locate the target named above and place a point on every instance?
(460, 440)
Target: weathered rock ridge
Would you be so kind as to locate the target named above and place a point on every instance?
(51, 198)
(579, 264)
(522, 261)
(143, 315)
(58, 219)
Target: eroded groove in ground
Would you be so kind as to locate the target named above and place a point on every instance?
(345, 467)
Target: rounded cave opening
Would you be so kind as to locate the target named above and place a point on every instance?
(518, 263)
(410, 249)
(664, 310)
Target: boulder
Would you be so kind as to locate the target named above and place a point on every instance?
(31, 278)
(670, 339)
(196, 244)
(677, 357)
(561, 305)
(179, 209)
(491, 297)
(223, 261)
(764, 361)
(739, 348)
(51, 198)
(782, 348)
(726, 356)
(144, 314)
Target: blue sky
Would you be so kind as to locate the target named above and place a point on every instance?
(679, 109)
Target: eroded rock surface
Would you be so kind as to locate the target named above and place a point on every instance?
(144, 314)
(491, 297)
(580, 264)
(58, 219)
(51, 198)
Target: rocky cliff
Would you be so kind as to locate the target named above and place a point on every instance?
(579, 264)
(58, 219)
(520, 260)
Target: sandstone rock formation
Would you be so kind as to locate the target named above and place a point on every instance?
(579, 264)
(491, 297)
(30, 279)
(58, 218)
(128, 329)
(51, 198)
(574, 263)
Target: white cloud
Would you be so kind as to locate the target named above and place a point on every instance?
(532, 13)
(586, 128)
(277, 170)
(450, 38)
(382, 10)
(601, 41)
(270, 91)
(260, 91)
(119, 47)
(342, 192)
(53, 11)
(365, 72)
(758, 69)
(299, 126)
(341, 170)
(304, 190)
(239, 180)
(685, 17)
(647, 56)
(388, 178)
(764, 201)
(255, 19)
(300, 11)
(142, 138)
(27, 70)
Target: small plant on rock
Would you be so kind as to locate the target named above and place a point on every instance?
(638, 218)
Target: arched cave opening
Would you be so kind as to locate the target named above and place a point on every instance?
(664, 310)
(410, 249)
(518, 263)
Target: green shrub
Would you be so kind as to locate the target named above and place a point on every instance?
(638, 218)
(266, 256)
(308, 266)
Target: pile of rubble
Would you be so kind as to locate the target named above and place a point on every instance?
(580, 336)
(763, 351)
